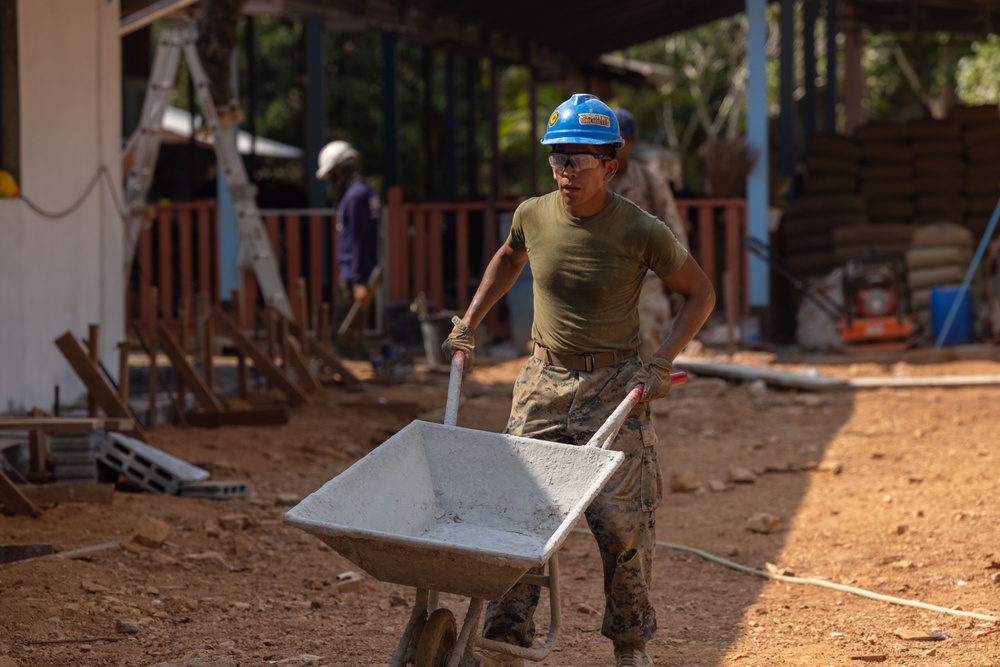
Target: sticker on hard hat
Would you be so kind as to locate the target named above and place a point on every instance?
(553, 118)
(595, 119)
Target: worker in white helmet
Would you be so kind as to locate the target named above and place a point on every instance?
(358, 214)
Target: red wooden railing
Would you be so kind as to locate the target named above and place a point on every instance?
(707, 218)
(416, 247)
(178, 254)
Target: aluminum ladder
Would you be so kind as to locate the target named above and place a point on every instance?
(179, 37)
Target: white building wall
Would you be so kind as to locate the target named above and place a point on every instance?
(62, 274)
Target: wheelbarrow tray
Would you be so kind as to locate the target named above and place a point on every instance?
(455, 510)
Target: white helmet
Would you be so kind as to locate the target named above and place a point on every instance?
(332, 155)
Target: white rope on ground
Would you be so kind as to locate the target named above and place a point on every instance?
(820, 582)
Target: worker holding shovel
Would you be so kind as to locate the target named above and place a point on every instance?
(589, 251)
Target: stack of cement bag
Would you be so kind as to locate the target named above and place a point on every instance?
(832, 165)
(938, 170)
(886, 171)
(939, 257)
(981, 143)
(807, 229)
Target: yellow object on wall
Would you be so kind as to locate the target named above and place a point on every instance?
(8, 186)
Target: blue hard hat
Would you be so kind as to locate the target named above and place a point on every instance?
(626, 122)
(583, 119)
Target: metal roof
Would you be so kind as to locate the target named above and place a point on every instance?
(557, 36)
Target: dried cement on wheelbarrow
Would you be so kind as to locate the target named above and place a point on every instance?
(456, 510)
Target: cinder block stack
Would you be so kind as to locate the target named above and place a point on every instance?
(939, 257)
(981, 144)
(938, 170)
(886, 172)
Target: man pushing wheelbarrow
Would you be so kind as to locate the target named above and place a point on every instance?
(589, 251)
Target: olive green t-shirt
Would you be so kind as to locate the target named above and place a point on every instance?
(588, 272)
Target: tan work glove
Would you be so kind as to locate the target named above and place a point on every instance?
(655, 379)
(461, 338)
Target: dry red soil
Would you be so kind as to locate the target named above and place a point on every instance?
(887, 490)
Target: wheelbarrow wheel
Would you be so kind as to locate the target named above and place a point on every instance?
(437, 640)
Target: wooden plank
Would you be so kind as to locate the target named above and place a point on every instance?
(205, 397)
(88, 372)
(258, 416)
(54, 494)
(65, 424)
(315, 263)
(274, 375)
(14, 501)
(308, 381)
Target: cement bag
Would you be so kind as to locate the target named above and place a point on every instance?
(815, 329)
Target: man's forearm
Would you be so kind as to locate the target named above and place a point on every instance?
(692, 315)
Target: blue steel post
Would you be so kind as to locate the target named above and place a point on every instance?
(757, 179)
(229, 239)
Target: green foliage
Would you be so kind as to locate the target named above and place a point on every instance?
(979, 73)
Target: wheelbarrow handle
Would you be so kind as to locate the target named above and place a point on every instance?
(454, 388)
(606, 434)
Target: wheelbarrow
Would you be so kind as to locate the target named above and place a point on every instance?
(446, 509)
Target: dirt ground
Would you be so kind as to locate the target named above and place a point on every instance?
(888, 490)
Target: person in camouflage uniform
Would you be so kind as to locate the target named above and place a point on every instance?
(589, 251)
(216, 41)
(650, 192)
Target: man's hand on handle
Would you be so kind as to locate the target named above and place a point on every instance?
(461, 338)
(655, 378)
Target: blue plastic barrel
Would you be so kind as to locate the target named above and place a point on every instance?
(942, 299)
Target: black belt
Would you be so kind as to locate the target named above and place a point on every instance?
(587, 361)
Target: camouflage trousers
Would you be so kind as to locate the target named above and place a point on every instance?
(216, 42)
(560, 405)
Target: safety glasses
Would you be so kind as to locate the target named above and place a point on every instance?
(578, 161)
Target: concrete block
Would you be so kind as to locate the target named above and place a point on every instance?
(151, 468)
(219, 490)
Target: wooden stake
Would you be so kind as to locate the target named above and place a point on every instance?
(94, 352)
(303, 313)
(729, 294)
(123, 375)
(15, 501)
(275, 375)
(242, 375)
(323, 332)
(107, 399)
(207, 360)
(152, 380)
(202, 393)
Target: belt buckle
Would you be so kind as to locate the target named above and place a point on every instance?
(588, 362)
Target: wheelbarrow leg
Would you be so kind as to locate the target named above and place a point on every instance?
(551, 581)
(407, 644)
(463, 645)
